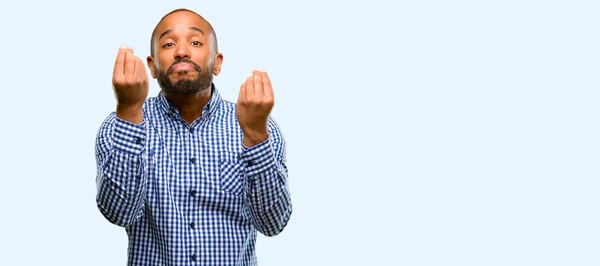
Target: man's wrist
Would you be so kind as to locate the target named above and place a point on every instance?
(252, 139)
(130, 113)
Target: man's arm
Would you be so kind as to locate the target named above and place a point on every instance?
(120, 177)
(120, 144)
(267, 197)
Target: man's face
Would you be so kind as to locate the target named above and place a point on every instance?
(183, 62)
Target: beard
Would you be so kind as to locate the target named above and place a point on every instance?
(185, 86)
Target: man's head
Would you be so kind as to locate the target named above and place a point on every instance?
(183, 53)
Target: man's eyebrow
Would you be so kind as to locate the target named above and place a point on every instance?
(197, 29)
(170, 30)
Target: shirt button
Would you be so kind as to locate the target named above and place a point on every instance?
(138, 140)
(194, 257)
(249, 163)
(191, 130)
(192, 225)
(193, 160)
(193, 193)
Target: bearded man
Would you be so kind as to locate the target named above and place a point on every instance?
(190, 176)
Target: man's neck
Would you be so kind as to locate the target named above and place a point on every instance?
(190, 106)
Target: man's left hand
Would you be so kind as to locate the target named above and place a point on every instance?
(254, 106)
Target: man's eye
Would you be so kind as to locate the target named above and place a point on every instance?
(168, 44)
(196, 43)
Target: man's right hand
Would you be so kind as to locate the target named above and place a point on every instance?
(130, 82)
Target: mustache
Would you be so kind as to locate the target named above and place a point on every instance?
(187, 61)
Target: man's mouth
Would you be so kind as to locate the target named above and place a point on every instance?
(182, 67)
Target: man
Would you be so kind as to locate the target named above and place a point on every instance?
(189, 175)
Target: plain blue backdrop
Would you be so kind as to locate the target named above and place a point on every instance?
(419, 132)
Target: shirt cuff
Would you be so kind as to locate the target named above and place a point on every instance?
(129, 137)
(258, 158)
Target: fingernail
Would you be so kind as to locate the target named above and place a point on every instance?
(123, 46)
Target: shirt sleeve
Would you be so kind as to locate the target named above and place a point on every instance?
(267, 196)
(120, 180)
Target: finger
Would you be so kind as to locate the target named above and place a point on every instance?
(242, 94)
(120, 62)
(267, 87)
(258, 87)
(249, 88)
(129, 63)
(143, 69)
(139, 69)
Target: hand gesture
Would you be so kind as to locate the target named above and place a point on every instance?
(130, 83)
(254, 106)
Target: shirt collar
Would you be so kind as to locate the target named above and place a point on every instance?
(209, 109)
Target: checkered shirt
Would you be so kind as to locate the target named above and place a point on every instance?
(191, 194)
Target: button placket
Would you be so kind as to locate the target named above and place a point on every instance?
(194, 166)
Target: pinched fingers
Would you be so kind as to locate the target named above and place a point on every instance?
(257, 90)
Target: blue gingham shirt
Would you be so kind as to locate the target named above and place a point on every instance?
(191, 194)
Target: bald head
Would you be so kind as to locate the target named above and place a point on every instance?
(211, 34)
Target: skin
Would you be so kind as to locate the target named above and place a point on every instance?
(187, 36)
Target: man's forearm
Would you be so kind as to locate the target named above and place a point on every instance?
(268, 199)
(120, 176)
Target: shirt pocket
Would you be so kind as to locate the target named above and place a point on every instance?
(231, 174)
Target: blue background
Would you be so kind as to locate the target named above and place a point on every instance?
(419, 132)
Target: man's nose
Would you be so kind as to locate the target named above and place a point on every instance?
(182, 52)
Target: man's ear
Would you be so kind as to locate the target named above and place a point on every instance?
(150, 61)
(218, 64)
